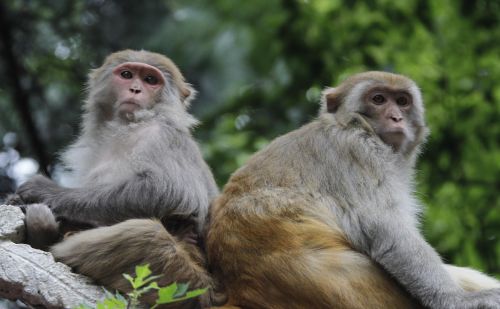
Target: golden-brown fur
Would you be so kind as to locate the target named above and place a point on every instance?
(325, 217)
(292, 257)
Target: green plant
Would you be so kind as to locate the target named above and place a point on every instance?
(142, 283)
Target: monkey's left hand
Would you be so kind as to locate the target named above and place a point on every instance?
(38, 189)
(14, 200)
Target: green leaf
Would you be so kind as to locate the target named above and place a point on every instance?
(151, 286)
(142, 271)
(120, 297)
(181, 289)
(166, 294)
(129, 279)
(150, 278)
(195, 293)
(191, 294)
(111, 301)
(142, 276)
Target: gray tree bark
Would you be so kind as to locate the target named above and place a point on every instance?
(32, 275)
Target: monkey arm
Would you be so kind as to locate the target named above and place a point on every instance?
(139, 197)
(401, 250)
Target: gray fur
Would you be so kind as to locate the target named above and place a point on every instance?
(150, 167)
(42, 229)
(357, 183)
(141, 170)
(127, 171)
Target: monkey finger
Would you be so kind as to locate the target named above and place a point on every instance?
(191, 238)
(14, 200)
(35, 190)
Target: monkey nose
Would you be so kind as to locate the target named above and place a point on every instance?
(396, 118)
(135, 90)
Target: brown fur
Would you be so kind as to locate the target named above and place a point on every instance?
(291, 258)
(106, 253)
(325, 217)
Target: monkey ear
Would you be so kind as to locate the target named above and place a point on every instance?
(187, 94)
(331, 100)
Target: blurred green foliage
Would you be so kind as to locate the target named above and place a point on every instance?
(260, 66)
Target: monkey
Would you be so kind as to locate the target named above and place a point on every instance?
(141, 184)
(325, 216)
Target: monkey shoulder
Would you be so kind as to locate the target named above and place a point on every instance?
(320, 146)
(351, 131)
(323, 158)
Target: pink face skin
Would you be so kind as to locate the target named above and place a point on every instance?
(388, 111)
(136, 85)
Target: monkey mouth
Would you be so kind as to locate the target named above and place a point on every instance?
(127, 110)
(393, 137)
(129, 106)
(394, 131)
(129, 102)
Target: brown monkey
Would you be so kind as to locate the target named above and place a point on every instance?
(135, 158)
(325, 216)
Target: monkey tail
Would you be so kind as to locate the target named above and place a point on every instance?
(42, 229)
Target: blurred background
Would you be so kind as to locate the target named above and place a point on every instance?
(259, 67)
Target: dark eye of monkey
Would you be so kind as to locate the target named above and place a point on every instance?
(402, 101)
(378, 99)
(126, 74)
(150, 79)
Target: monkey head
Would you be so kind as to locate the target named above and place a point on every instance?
(387, 104)
(130, 82)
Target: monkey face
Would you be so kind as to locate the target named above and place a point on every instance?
(391, 104)
(388, 111)
(136, 86)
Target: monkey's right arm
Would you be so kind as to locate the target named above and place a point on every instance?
(398, 247)
(142, 196)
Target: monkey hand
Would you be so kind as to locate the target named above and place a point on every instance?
(190, 237)
(38, 189)
(217, 298)
(470, 300)
(14, 200)
(482, 299)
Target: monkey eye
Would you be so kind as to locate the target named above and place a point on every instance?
(402, 101)
(126, 74)
(378, 99)
(150, 79)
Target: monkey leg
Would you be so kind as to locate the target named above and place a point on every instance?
(277, 257)
(106, 253)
